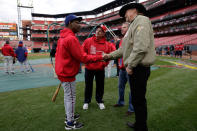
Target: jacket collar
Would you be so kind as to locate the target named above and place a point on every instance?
(65, 32)
(6, 45)
(134, 18)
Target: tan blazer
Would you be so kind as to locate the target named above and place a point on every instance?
(138, 44)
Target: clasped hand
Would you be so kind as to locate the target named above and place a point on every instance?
(105, 57)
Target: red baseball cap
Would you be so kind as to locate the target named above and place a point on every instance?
(104, 28)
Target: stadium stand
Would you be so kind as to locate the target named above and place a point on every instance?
(14, 43)
(173, 21)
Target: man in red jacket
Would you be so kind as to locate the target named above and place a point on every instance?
(9, 57)
(96, 45)
(69, 54)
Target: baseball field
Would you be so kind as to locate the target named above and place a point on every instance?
(171, 99)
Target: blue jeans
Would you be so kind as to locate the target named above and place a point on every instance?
(123, 78)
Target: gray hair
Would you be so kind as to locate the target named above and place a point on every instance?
(127, 23)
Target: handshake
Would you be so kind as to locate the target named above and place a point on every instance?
(106, 57)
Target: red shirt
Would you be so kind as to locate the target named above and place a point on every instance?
(181, 47)
(69, 54)
(176, 47)
(93, 46)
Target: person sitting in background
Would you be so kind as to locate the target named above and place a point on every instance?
(9, 57)
(21, 55)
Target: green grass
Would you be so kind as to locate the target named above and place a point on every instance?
(171, 99)
(33, 56)
(1, 58)
(160, 61)
(167, 57)
(171, 95)
(173, 58)
(192, 61)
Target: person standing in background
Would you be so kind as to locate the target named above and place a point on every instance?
(21, 55)
(117, 42)
(9, 58)
(123, 77)
(52, 54)
(92, 46)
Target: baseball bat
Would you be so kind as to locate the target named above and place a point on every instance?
(56, 93)
(30, 67)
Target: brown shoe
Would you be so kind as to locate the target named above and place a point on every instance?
(131, 125)
(128, 113)
(118, 105)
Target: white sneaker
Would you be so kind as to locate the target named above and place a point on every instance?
(85, 106)
(74, 126)
(101, 106)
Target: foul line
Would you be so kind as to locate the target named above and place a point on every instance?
(179, 64)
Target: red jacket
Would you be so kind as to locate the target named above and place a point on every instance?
(93, 46)
(113, 47)
(69, 54)
(7, 50)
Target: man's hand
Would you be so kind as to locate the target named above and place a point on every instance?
(129, 71)
(105, 57)
(116, 39)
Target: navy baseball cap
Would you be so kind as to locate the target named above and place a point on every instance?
(20, 42)
(71, 17)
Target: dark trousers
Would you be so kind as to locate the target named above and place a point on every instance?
(138, 82)
(89, 77)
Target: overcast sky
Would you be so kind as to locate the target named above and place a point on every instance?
(8, 8)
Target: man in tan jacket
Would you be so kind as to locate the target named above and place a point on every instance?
(138, 54)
